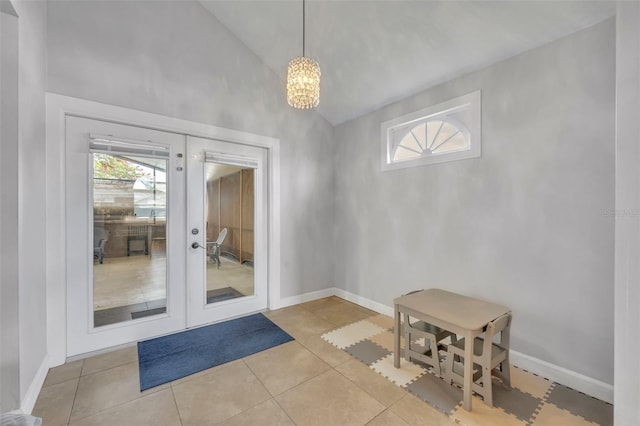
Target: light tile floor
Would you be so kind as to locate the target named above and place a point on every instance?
(304, 382)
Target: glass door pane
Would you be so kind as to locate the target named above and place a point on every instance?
(229, 225)
(125, 233)
(227, 221)
(129, 237)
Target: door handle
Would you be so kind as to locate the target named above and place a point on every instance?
(196, 245)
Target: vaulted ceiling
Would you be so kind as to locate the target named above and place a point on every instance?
(375, 52)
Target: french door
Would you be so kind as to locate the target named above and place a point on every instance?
(137, 201)
(227, 224)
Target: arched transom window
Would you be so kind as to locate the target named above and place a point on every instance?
(432, 137)
(444, 132)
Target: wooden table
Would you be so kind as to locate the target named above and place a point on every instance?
(462, 315)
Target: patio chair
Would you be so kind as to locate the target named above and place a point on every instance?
(214, 247)
(98, 250)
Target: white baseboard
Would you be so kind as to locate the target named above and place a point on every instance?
(333, 291)
(101, 351)
(364, 302)
(301, 298)
(572, 379)
(30, 397)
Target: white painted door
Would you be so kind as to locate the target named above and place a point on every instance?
(125, 233)
(226, 230)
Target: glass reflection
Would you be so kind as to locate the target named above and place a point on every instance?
(129, 238)
(229, 215)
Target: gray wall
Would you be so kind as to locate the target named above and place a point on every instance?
(23, 180)
(9, 324)
(33, 64)
(174, 58)
(528, 224)
(627, 294)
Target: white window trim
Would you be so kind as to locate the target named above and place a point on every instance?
(439, 111)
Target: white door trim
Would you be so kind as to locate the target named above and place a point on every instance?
(57, 108)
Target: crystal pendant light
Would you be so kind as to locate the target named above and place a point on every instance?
(303, 78)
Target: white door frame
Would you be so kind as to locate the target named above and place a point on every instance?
(57, 108)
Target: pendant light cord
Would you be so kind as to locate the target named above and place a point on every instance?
(303, 19)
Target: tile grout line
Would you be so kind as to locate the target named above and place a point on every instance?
(75, 394)
(297, 384)
(116, 406)
(109, 368)
(138, 397)
(175, 401)
(283, 410)
(272, 397)
(365, 391)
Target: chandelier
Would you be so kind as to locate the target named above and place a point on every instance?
(303, 78)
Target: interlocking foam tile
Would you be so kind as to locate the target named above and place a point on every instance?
(551, 415)
(407, 373)
(520, 405)
(385, 340)
(579, 404)
(367, 351)
(352, 333)
(532, 400)
(515, 402)
(483, 415)
(530, 383)
(440, 394)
